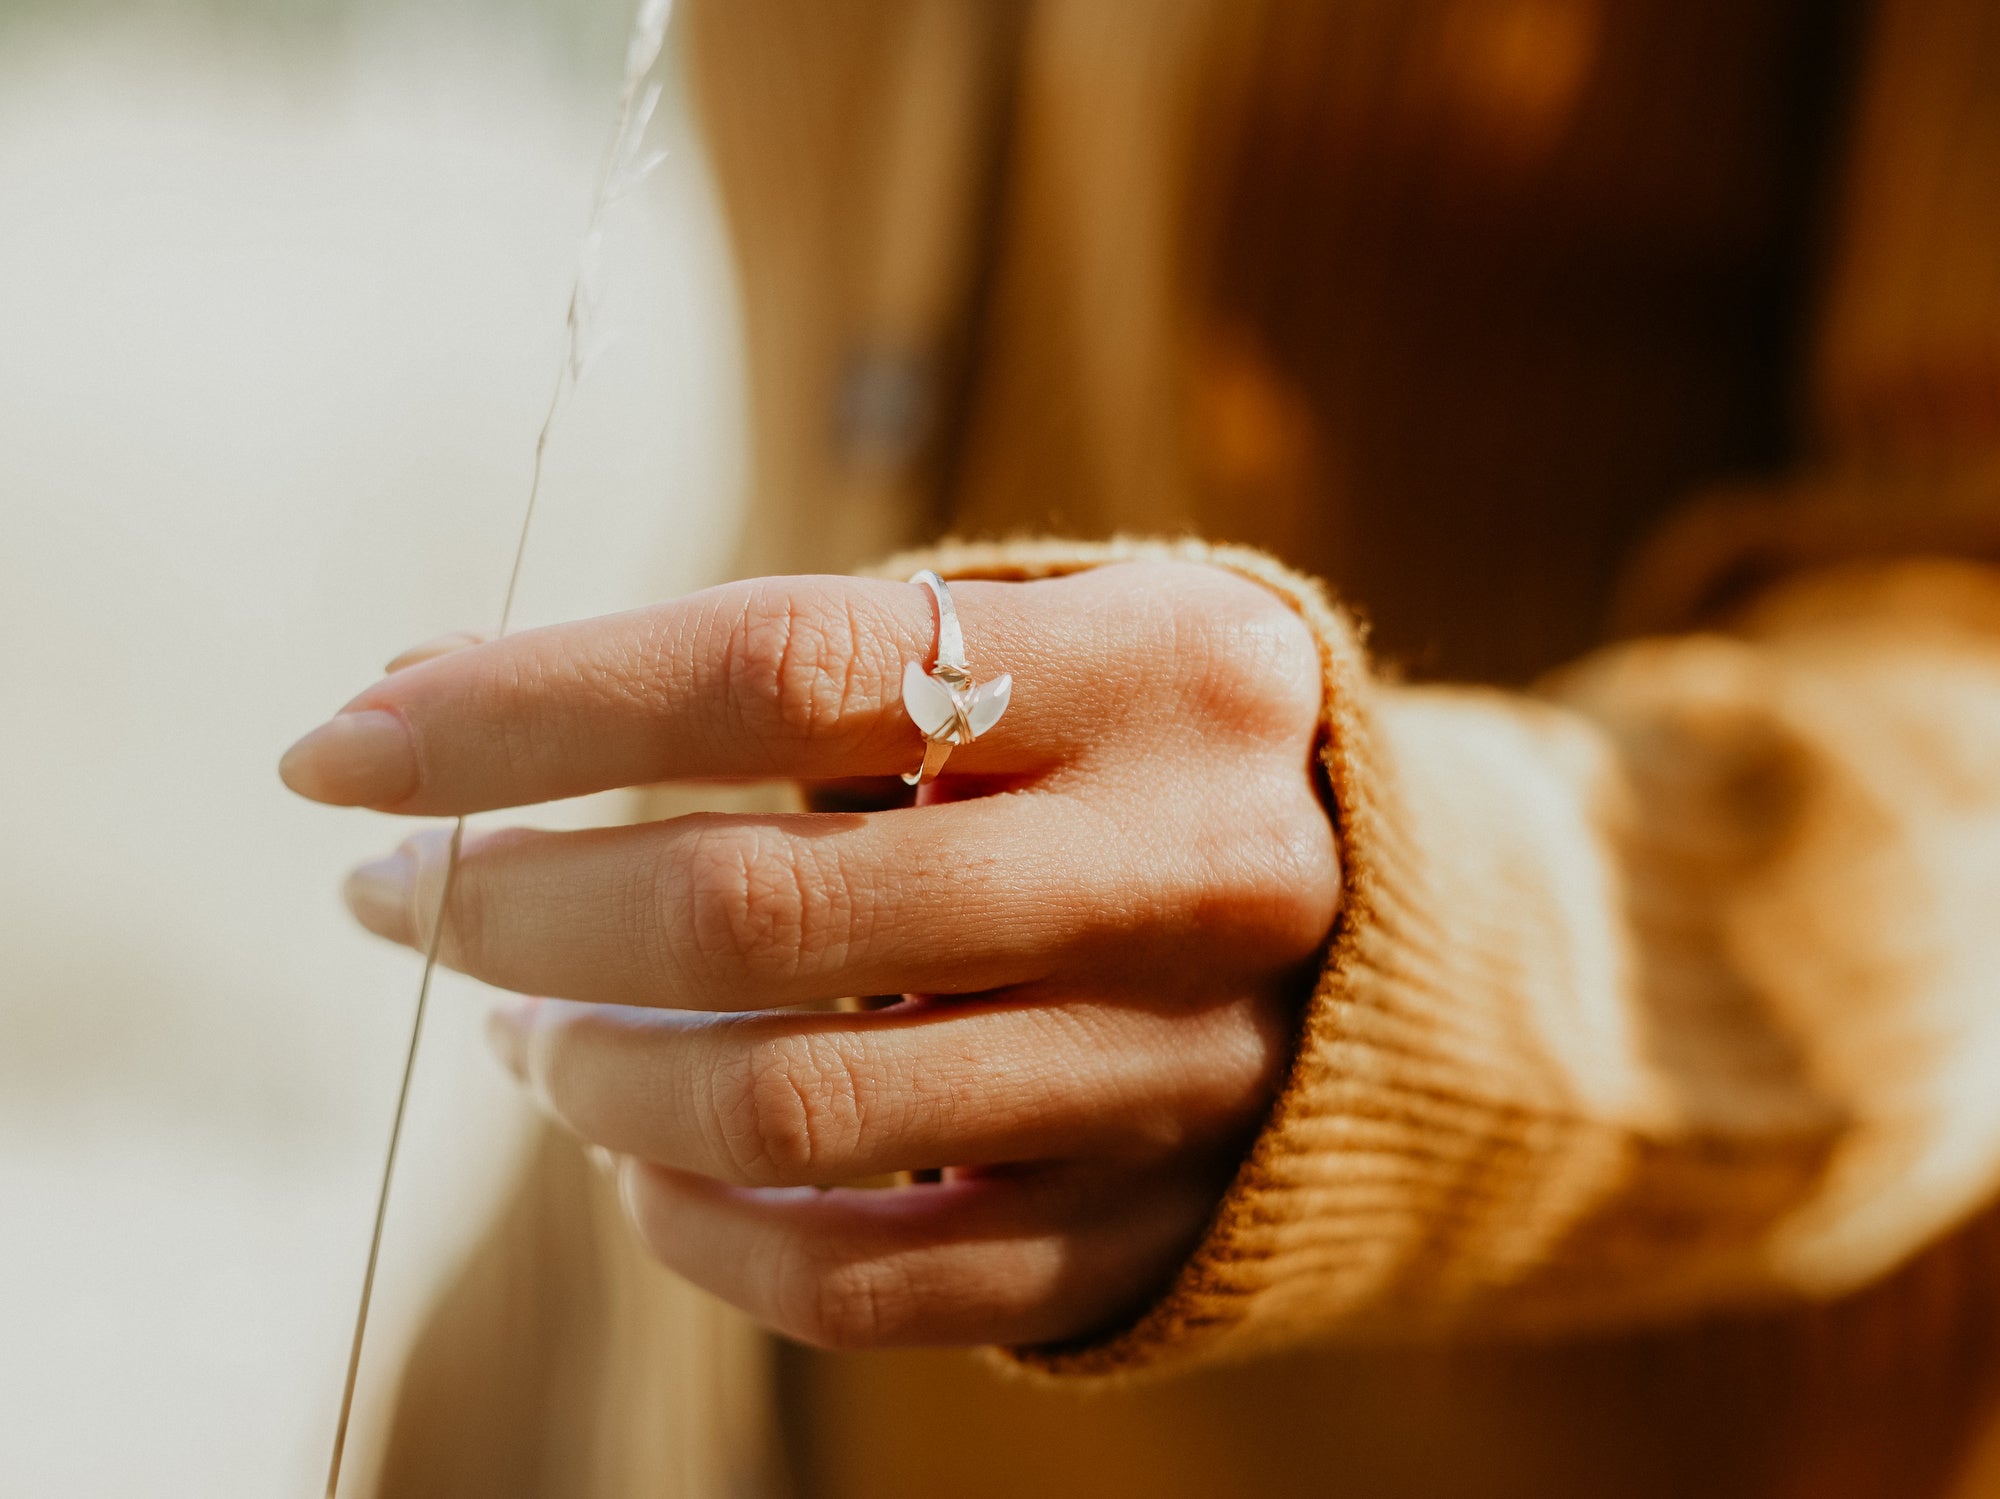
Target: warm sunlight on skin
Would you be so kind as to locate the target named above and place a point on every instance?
(1120, 897)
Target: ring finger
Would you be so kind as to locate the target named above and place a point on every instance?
(801, 1100)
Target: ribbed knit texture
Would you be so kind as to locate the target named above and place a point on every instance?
(1661, 989)
(1671, 985)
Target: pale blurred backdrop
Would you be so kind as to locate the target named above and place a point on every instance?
(281, 289)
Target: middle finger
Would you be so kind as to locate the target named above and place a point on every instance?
(715, 912)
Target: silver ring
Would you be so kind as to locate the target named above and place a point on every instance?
(945, 704)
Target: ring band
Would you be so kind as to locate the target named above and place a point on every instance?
(945, 704)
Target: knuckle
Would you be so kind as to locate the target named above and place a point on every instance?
(1249, 660)
(1251, 880)
(1243, 1048)
(745, 902)
(844, 1305)
(788, 1113)
(796, 666)
(1282, 883)
(760, 906)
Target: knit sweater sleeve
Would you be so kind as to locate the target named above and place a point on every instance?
(1667, 986)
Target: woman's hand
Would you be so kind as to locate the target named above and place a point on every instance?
(1106, 908)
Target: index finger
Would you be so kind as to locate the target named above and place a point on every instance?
(780, 677)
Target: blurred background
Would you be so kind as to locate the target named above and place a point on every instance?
(1450, 302)
(281, 290)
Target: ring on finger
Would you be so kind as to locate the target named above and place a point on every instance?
(945, 704)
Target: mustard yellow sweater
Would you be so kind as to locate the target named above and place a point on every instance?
(1670, 985)
(1643, 1130)
(1668, 988)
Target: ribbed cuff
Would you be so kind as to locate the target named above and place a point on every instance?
(1587, 1050)
(1233, 1264)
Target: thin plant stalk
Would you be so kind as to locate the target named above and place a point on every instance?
(624, 168)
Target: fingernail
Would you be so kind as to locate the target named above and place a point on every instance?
(507, 1034)
(354, 760)
(378, 894)
(437, 645)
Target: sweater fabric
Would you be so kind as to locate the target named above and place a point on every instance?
(1642, 1134)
